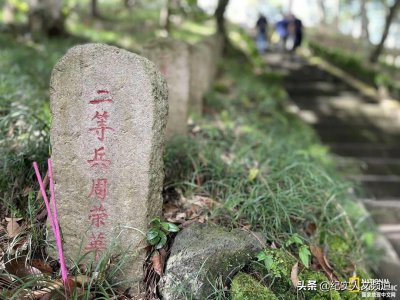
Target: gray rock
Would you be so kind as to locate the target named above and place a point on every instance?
(109, 109)
(201, 254)
(172, 58)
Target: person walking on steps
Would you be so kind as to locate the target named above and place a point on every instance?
(295, 34)
(261, 38)
(281, 28)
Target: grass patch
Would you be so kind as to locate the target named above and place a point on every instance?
(25, 69)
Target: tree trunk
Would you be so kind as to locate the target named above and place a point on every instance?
(220, 20)
(322, 12)
(93, 9)
(164, 15)
(388, 21)
(364, 20)
(364, 25)
(46, 18)
(336, 19)
(129, 3)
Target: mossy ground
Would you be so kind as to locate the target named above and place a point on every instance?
(245, 287)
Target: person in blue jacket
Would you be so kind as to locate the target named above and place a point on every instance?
(281, 28)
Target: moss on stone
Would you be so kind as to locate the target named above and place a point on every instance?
(245, 287)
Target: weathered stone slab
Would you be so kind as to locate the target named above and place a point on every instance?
(215, 43)
(201, 254)
(200, 63)
(109, 109)
(172, 58)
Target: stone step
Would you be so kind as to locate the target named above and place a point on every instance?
(389, 228)
(323, 129)
(356, 166)
(382, 189)
(317, 89)
(351, 105)
(390, 269)
(384, 167)
(365, 150)
(365, 178)
(384, 211)
(331, 136)
(394, 239)
(392, 234)
(317, 86)
(311, 78)
(333, 121)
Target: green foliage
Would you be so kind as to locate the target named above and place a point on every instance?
(355, 66)
(157, 234)
(277, 261)
(304, 251)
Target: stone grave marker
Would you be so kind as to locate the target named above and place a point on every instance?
(172, 58)
(200, 63)
(215, 43)
(109, 109)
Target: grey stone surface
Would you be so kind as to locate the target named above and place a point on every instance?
(200, 64)
(214, 43)
(201, 254)
(89, 81)
(172, 58)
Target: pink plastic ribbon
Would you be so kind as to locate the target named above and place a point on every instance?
(53, 216)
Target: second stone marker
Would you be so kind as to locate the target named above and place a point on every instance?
(172, 58)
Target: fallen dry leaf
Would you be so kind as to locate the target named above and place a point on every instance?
(322, 260)
(158, 263)
(311, 228)
(294, 275)
(13, 228)
(41, 266)
(21, 269)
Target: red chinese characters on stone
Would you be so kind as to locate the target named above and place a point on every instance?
(97, 244)
(98, 216)
(99, 188)
(101, 119)
(99, 159)
(103, 98)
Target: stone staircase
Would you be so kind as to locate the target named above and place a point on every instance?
(363, 134)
